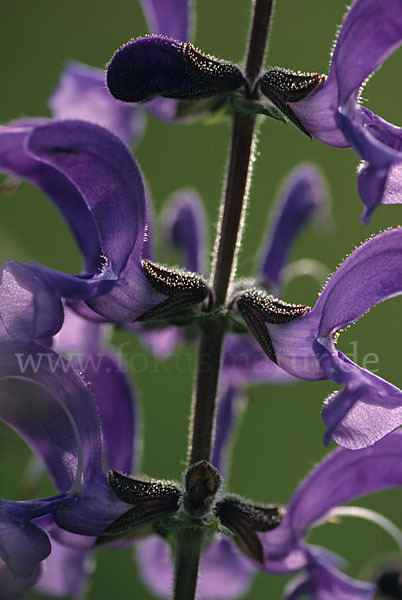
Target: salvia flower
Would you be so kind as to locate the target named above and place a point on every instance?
(95, 183)
(342, 476)
(332, 112)
(302, 341)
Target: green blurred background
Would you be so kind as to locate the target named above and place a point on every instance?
(279, 438)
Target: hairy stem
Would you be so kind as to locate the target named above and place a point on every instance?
(188, 554)
(223, 270)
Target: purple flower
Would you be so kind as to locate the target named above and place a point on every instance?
(367, 408)
(342, 476)
(332, 113)
(82, 94)
(54, 411)
(95, 183)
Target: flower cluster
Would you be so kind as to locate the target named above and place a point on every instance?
(65, 391)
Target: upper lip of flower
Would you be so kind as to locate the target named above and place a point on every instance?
(95, 182)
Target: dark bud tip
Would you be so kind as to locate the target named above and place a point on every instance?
(244, 519)
(181, 287)
(156, 65)
(389, 583)
(202, 482)
(258, 308)
(282, 87)
(151, 499)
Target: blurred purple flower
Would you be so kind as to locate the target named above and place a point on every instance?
(332, 113)
(367, 408)
(95, 183)
(82, 93)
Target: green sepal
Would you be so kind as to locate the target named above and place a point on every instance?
(251, 107)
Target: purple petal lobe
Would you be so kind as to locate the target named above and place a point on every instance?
(82, 94)
(379, 144)
(172, 18)
(303, 197)
(153, 66)
(29, 307)
(12, 587)
(327, 583)
(224, 572)
(65, 572)
(185, 222)
(342, 476)
(366, 410)
(22, 546)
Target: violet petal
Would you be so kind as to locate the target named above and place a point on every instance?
(82, 94)
(12, 587)
(184, 221)
(366, 410)
(172, 18)
(224, 573)
(342, 476)
(16, 159)
(303, 197)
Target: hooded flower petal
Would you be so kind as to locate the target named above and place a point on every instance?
(364, 42)
(109, 186)
(342, 476)
(159, 66)
(303, 197)
(82, 94)
(224, 573)
(16, 159)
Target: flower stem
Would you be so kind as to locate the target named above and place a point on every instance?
(227, 244)
(187, 560)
